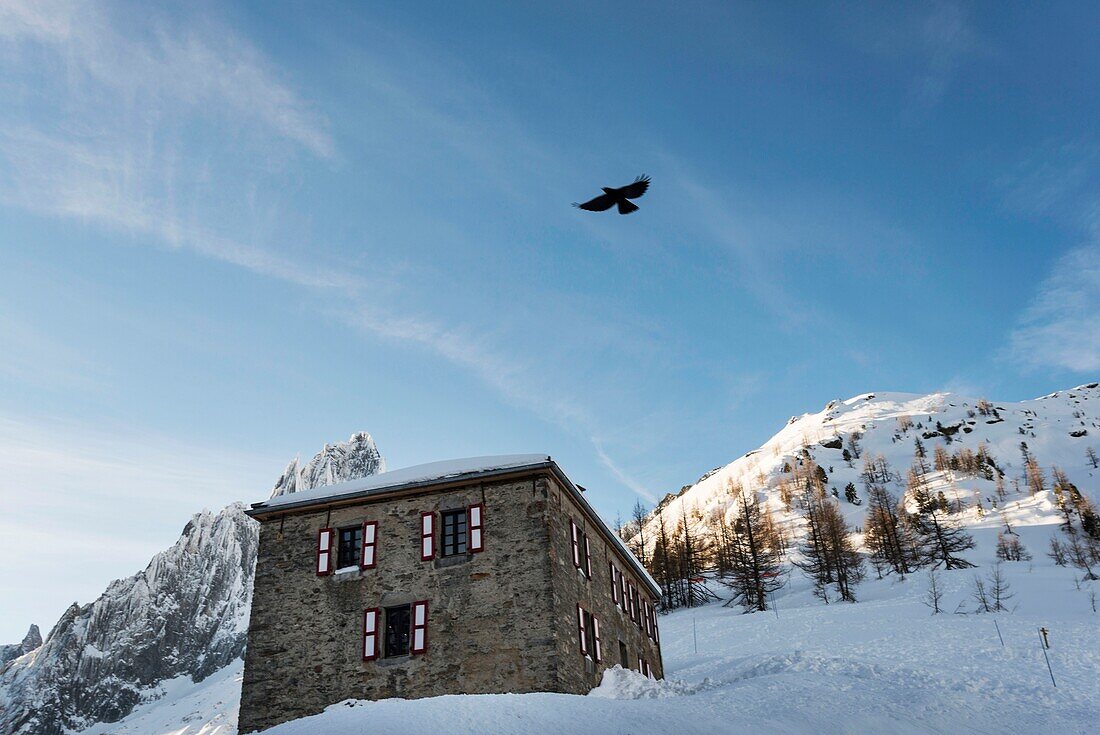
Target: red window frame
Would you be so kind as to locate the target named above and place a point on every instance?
(368, 556)
(371, 618)
(324, 552)
(587, 557)
(419, 611)
(574, 532)
(475, 527)
(427, 536)
(581, 630)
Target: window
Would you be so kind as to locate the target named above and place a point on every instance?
(624, 659)
(454, 532)
(398, 625)
(588, 630)
(350, 546)
(582, 551)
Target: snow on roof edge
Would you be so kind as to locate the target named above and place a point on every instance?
(427, 472)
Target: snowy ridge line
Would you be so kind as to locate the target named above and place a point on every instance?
(1052, 426)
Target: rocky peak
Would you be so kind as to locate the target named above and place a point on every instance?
(12, 651)
(335, 463)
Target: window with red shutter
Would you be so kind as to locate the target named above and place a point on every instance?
(370, 633)
(574, 533)
(582, 633)
(596, 638)
(614, 573)
(624, 603)
(477, 514)
(419, 641)
(427, 536)
(368, 559)
(324, 552)
(587, 558)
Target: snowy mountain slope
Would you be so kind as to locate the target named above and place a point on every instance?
(184, 615)
(168, 627)
(1058, 430)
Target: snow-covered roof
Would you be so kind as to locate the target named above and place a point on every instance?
(450, 469)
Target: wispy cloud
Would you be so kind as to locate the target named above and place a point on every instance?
(106, 137)
(160, 68)
(945, 39)
(1061, 326)
(624, 478)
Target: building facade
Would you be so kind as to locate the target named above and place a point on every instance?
(476, 576)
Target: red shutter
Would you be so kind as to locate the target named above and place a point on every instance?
(596, 636)
(370, 633)
(623, 601)
(614, 583)
(476, 513)
(418, 643)
(587, 558)
(656, 633)
(641, 665)
(369, 558)
(427, 536)
(324, 552)
(576, 543)
(581, 630)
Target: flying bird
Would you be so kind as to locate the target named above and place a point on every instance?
(620, 196)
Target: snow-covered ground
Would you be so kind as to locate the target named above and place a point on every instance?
(884, 664)
(185, 708)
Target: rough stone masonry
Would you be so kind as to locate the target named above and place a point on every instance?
(548, 602)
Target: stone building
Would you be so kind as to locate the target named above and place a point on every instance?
(485, 575)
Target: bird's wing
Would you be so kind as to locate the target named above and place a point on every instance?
(635, 190)
(602, 203)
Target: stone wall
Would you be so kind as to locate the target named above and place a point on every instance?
(571, 587)
(489, 621)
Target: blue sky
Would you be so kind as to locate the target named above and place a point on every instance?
(230, 233)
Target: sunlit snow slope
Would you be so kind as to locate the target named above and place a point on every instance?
(1058, 430)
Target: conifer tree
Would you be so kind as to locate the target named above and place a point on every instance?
(1009, 548)
(827, 555)
(661, 566)
(850, 494)
(1034, 474)
(885, 536)
(639, 517)
(756, 566)
(940, 540)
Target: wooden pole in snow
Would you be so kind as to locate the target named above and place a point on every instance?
(1042, 644)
